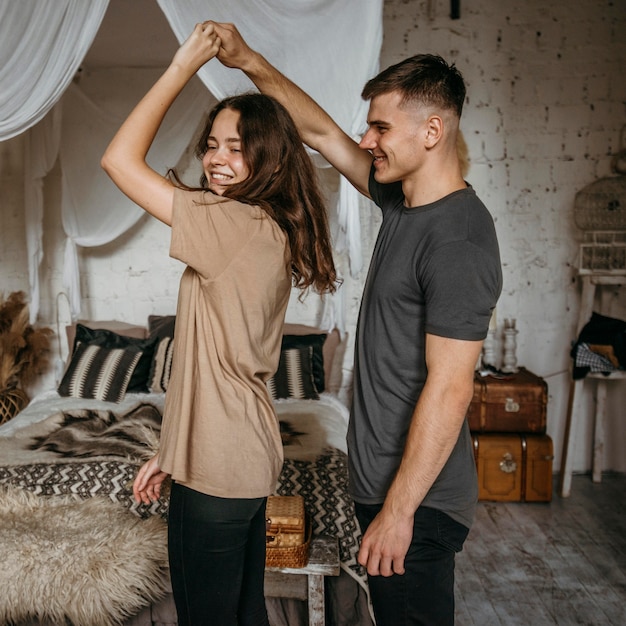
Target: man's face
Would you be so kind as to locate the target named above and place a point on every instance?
(395, 138)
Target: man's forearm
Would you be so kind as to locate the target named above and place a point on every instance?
(436, 422)
(311, 120)
(433, 433)
(425, 455)
(317, 129)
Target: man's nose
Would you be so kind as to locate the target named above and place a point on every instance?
(367, 141)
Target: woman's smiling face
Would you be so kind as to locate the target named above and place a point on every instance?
(223, 163)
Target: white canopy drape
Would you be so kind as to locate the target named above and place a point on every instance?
(94, 211)
(329, 47)
(42, 45)
(40, 154)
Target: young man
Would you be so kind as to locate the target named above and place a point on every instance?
(433, 281)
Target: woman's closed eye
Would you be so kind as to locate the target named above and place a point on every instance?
(234, 150)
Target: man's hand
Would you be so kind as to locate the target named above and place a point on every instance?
(234, 51)
(385, 544)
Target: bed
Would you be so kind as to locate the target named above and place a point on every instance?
(78, 548)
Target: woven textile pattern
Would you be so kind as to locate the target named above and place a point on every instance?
(99, 373)
(323, 483)
(83, 480)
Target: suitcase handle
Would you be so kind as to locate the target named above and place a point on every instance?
(507, 464)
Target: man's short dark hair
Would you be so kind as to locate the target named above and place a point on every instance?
(424, 78)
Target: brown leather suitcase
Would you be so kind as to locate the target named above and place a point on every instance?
(515, 404)
(513, 467)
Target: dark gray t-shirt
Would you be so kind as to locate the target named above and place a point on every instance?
(435, 269)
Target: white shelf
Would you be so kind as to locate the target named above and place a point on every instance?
(618, 375)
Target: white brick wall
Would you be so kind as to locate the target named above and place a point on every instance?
(544, 113)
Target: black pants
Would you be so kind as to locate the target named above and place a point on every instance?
(217, 559)
(424, 594)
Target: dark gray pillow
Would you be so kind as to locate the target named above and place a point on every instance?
(99, 373)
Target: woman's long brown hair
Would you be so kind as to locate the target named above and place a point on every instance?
(282, 181)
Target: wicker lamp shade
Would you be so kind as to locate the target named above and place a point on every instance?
(601, 205)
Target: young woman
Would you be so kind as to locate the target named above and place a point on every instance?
(255, 227)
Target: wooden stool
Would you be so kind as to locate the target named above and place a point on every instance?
(307, 583)
(590, 282)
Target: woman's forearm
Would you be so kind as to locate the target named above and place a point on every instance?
(125, 158)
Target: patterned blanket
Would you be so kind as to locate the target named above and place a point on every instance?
(86, 453)
(323, 485)
(82, 480)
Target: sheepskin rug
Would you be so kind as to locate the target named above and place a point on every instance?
(88, 562)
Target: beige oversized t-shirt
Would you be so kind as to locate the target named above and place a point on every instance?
(220, 433)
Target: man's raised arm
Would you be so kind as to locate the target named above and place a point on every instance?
(317, 129)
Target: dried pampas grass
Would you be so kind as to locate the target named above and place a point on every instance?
(90, 562)
(24, 349)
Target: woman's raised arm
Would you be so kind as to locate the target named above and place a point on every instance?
(125, 158)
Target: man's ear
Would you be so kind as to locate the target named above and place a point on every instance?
(434, 130)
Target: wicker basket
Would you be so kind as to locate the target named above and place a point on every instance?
(284, 521)
(290, 556)
(12, 401)
(288, 535)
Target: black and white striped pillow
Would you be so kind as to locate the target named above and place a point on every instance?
(160, 371)
(294, 377)
(99, 373)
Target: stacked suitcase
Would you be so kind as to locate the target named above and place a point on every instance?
(507, 418)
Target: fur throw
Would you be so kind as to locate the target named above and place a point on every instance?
(133, 435)
(89, 563)
(67, 436)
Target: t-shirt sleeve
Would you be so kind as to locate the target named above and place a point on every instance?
(208, 231)
(384, 196)
(462, 284)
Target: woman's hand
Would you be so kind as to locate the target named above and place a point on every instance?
(147, 485)
(201, 46)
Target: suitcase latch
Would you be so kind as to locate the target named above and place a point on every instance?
(510, 406)
(507, 464)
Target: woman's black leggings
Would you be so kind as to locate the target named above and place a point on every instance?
(217, 559)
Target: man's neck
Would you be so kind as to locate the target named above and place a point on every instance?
(428, 186)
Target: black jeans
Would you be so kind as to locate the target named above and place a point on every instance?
(424, 594)
(217, 559)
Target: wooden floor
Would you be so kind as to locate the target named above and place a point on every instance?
(562, 562)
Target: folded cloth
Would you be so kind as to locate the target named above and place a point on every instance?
(586, 360)
(600, 347)
(606, 351)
